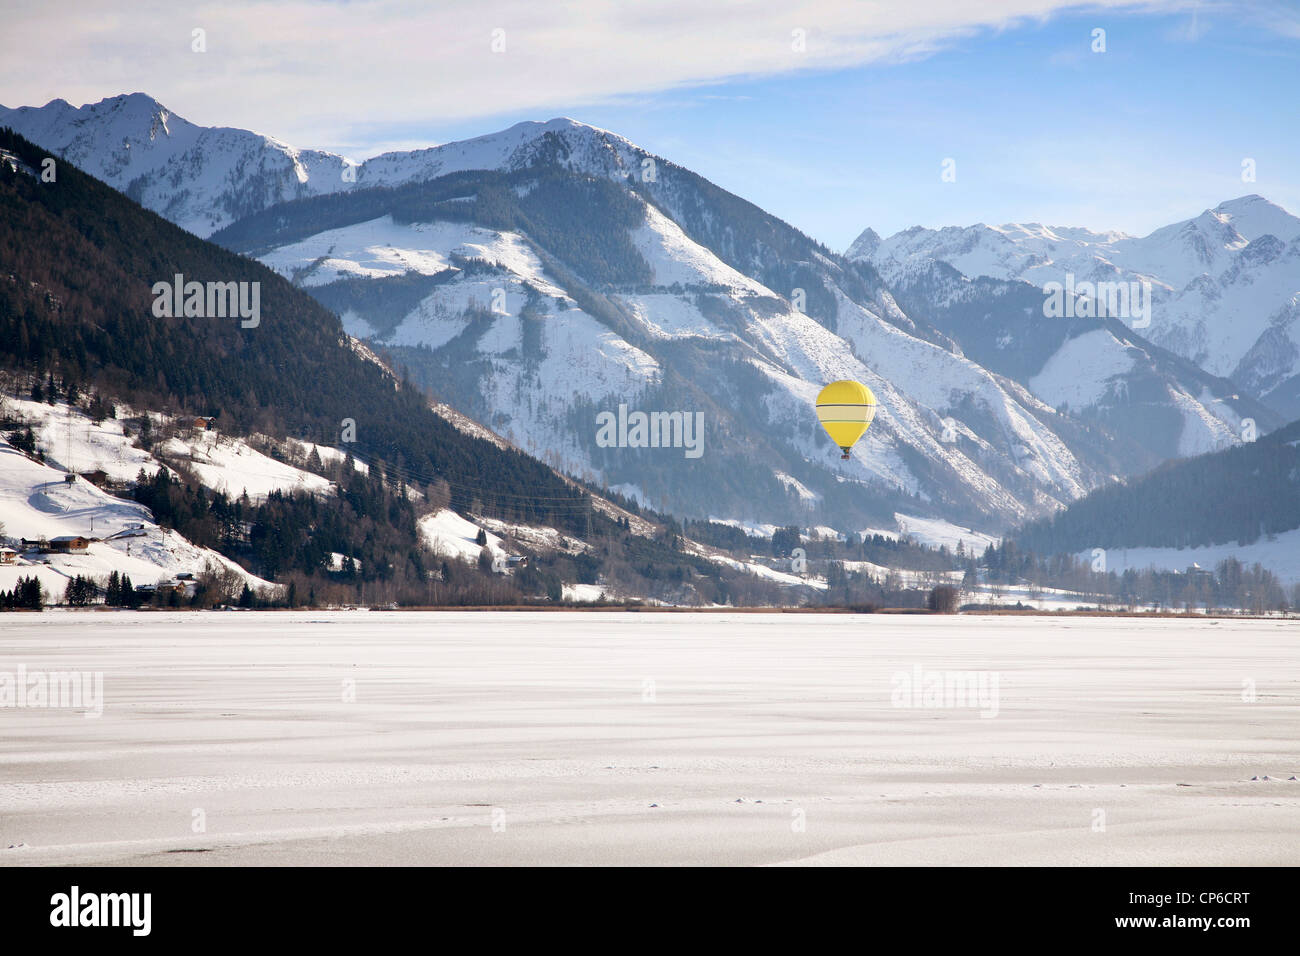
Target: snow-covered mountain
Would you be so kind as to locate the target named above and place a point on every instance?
(1097, 368)
(1225, 285)
(541, 276)
(699, 335)
(585, 273)
(201, 178)
(204, 178)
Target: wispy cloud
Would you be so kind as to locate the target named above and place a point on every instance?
(311, 72)
(1193, 27)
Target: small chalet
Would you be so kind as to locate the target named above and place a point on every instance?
(8, 555)
(67, 544)
(183, 587)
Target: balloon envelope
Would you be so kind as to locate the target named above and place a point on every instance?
(845, 409)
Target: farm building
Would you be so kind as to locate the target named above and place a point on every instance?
(67, 544)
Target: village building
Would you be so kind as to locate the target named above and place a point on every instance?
(67, 544)
(96, 476)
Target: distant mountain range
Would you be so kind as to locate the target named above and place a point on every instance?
(1225, 284)
(539, 276)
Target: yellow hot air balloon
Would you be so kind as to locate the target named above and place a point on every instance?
(845, 409)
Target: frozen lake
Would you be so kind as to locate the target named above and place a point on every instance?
(551, 738)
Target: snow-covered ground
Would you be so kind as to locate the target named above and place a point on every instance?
(382, 248)
(230, 465)
(72, 441)
(755, 529)
(583, 592)
(1079, 372)
(932, 532)
(451, 535)
(1279, 554)
(906, 578)
(935, 532)
(36, 502)
(1038, 598)
(535, 536)
(607, 738)
(769, 574)
(327, 455)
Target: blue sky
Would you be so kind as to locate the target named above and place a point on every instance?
(848, 133)
(1042, 129)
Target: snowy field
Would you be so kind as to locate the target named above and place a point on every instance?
(568, 738)
(1280, 553)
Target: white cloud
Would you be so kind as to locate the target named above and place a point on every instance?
(313, 73)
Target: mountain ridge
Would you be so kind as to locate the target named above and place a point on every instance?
(630, 276)
(1225, 284)
(80, 261)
